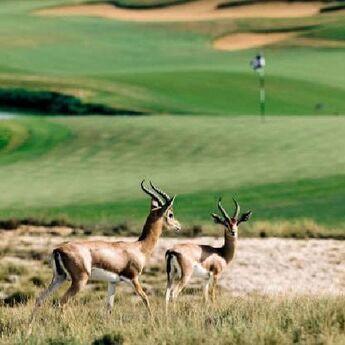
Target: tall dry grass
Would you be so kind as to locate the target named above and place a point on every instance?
(231, 320)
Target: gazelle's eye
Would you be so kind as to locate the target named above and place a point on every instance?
(171, 215)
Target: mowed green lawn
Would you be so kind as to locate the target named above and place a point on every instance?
(88, 169)
(170, 67)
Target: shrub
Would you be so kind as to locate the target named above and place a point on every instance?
(49, 102)
(17, 297)
(109, 339)
(37, 281)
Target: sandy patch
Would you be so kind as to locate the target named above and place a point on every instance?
(317, 43)
(194, 11)
(274, 266)
(265, 266)
(249, 40)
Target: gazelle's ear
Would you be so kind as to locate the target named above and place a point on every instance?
(217, 219)
(154, 204)
(245, 217)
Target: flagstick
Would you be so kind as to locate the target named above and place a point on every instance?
(262, 94)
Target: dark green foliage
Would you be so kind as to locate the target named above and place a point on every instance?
(4, 138)
(334, 7)
(109, 339)
(37, 281)
(13, 223)
(53, 103)
(17, 297)
(236, 3)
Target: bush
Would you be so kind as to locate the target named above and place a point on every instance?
(37, 281)
(49, 102)
(18, 297)
(109, 339)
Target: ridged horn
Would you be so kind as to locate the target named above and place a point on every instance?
(165, 196)
(237, 209)
(151, 194)
(222, 210)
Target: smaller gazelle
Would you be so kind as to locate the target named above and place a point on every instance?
(110, 261)
(207, 262)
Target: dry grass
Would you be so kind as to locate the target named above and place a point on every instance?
(231, 320)
(278, 291)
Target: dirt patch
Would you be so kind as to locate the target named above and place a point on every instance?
(194, 11)
(265, 266)
(274, 266)
(249, 40)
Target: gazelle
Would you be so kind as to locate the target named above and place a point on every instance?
(187, 259)
(112, 261)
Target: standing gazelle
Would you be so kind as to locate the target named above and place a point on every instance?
(112, 261)
(206, 262)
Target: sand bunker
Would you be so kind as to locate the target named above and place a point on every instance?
(194, 11)
(249, 40)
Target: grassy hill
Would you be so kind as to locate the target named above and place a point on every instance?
(88, 170)
(170, 67)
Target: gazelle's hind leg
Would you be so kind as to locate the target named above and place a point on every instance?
(182, 283)
(185, 272)
(171, 272)
(59, 276)
(55, 284)
(78, 282)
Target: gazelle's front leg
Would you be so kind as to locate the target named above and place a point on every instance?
(139, 290)
(213, 287)
(111, 295)
(207, 283)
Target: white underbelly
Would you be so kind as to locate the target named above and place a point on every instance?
(199, 271)
(103, 275)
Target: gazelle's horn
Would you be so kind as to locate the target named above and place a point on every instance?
(237, 209)
(222, 210)
(151, 194)
(165, 196)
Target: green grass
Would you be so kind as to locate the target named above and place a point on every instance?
(232, 320)
(168, 67)
(88, 170)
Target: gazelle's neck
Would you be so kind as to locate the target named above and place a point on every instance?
(152, 230)
(229, 247)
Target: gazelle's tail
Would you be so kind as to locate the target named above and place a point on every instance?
(173, 269)
(58, 264)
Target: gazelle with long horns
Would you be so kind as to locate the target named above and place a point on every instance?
(207, 262)
(112, 261)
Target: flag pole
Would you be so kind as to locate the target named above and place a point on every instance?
(258, 64)
(262, 94)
